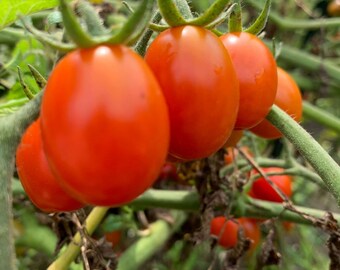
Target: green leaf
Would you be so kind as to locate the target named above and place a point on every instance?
(10, 9)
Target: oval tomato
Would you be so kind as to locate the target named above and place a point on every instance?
(36, 177)
(288, 98)
(256, 71)
(105, 125)
(263, 190)
(234, 138)
(200, 86)
(227, 231)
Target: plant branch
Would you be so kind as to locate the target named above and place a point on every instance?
(12, 127)
(318, 115)
(323, 164)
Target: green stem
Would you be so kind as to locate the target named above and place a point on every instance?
(171, 13)
(12, 127)
(189, 201)
(297, 169)
(93, 21)
(308, 61)
(211, 14)
(146, 247)
(261, 21)
(235, 19)
(73, 27)
(318, 115)
(142, 44)
(184, 8)
(11, 36)
(323, 164)
(73, 249)
(287, 23)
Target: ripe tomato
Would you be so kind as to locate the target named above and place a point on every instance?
(264, 191)
(227, 231)
(288, 98)
(169, 171)
(256, 70)
(232, 153)
(36, 177)
(105, 125)
(200, 86)
(333, 8)
(113, 237)
(234, 138)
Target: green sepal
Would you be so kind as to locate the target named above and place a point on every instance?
(47, 39)
(261, 21)
(73, 27)
(171, 13)
(135, 25)
(212, 14)
(235, 18)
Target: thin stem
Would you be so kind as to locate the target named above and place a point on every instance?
(171, 13)
(73, 249)
(318, 115)
(12, 127)
(189, 200)
(93, 21)
(308, 61)
(235, 19)
(142, 44)
(288, 23)
(144, 248)
(261, 21)
(25, 87)
(211, 14)
(73, 27)
(323, 164)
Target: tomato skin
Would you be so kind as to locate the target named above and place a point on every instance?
(113, 237)
(263, 190)
(234, 138)
(36, 177)
(256, 71)
(333, 8)
(289, 99)
(168, 172)
(229, 238)
(201, 89)
(105, 125)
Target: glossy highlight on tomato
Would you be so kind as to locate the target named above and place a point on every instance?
(288, 98)
(256, 71)
(262, 190)
(36, 177)
(200, 87)
(105, 125)
(226, 231)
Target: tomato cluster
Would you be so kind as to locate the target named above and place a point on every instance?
(109, 119)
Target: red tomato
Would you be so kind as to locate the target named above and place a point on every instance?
(105, 125)
(36, 177)
(288, 98)
(200, 86)
(264, 191)
(169, 171)
(113, 237)
(232, 153)
(227, 230)
(234, 138)
(256, 70)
